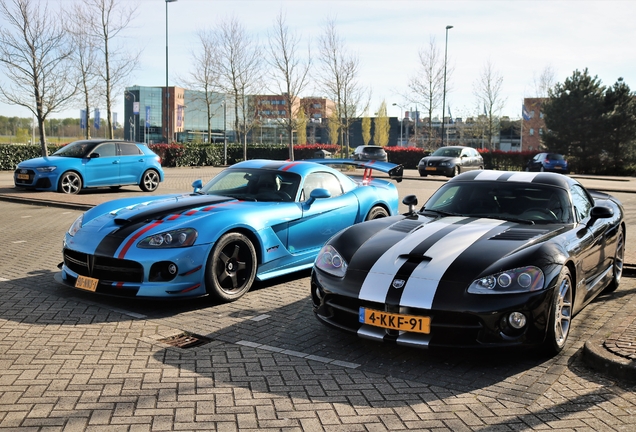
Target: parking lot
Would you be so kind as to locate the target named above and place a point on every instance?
(74, 361)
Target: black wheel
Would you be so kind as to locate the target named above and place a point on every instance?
(70, 183)
(456, 171)
(231, 267)
(542, 169)
(149, 181)
(617, 268)
(560, 314)
(377, 212)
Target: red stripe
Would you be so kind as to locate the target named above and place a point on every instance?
(288, 167)
(139, 233)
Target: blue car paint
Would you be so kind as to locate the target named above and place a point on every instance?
(286, 235)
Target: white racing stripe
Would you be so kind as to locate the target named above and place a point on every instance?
(523, 176)
(380, 276)
(422, 285)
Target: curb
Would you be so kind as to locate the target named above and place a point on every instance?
(599, 358)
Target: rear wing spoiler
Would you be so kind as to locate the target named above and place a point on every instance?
(394, 171)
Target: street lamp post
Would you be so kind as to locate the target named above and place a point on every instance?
(167, 94)
(401, 123)
(448, 27)
(224, 132)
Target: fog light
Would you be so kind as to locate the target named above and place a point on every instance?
(517, 320)
(172, 269)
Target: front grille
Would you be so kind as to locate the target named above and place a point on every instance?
(28, 181)
(106, 269)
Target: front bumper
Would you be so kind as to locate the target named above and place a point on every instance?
(435, 170)
(467, 325)
(32, 179)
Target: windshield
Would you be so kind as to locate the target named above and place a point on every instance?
(76, 149)
(255, 185)
(503, 200)
(447, 152)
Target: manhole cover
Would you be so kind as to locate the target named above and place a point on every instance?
(185, 340)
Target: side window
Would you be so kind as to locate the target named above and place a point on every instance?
(106, 150)
(582, 203)
(322, 180)
(129, 149)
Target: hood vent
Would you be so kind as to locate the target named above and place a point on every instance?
(519, 234)
(406, 225)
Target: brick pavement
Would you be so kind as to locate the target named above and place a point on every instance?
(73, 361)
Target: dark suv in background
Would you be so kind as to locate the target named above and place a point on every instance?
(369, 153)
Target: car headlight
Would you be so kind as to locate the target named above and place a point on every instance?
(46, 169)
(75, 227)
(182, 237)
(519, 280)
(444, 164)
(330, 261)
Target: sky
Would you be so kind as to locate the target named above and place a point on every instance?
(519, 38)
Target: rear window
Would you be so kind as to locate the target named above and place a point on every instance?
(554, 156)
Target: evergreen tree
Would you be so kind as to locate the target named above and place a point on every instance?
(620, 126)
(574, 119)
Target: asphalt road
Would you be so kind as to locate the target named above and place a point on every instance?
(74, 361)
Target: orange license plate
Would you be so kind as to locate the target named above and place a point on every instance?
(23, 176)
(392, 321)
(86, 283)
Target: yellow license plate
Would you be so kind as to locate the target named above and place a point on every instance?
(23, 176)
(431, 168)
(408, 323)
(86, 283)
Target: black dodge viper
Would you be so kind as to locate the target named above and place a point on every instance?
(492, 259)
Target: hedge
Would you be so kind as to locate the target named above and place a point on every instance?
(175, 155)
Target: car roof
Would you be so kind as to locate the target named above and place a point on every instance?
(546, 178)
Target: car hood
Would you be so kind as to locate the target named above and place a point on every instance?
(421, 253)
(39, 162)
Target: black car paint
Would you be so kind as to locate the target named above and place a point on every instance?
(585, 247)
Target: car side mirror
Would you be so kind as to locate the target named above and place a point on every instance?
(318, 193)
(93, 155)
(599, 212)
(411, 202)
(197, 185)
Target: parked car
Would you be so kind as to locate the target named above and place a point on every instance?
(92, 163)
(493, 259)
(257, 219)
(370, 153)
(450, 161)
(548, 162)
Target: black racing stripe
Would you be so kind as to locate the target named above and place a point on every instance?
(416, 256)
(505, 176)
(113, 240)
(160, 210)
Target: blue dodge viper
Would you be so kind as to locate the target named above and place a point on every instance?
(255, 220)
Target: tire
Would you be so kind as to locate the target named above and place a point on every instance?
(70, 183)
(376, 212)
(149, 181)
(456, 171)
(542, 169)
(560, 314)
(231, 267)
(617, 267)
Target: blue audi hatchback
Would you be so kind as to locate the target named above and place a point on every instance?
(553, 162)
(92, 163)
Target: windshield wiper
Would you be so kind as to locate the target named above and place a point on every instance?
(440, 212)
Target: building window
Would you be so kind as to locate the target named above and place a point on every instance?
(531, 131)
(540, 115)
(540, 131)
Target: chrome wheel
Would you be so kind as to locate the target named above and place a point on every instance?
(149, 181)
(560, 315)
(619, 256)
(70, 183)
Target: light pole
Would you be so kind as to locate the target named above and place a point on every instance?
(167, 94)
(224, 132)
(448, 27)
(401, 122)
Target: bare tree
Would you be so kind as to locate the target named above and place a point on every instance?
(105, 20)
(204, 78)
(239, 72)
(338, 76)
(544, 82)
(381, 126)
(85, 60)
(289, 71)
(487, 89)
(427, 84)
(35, 54)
